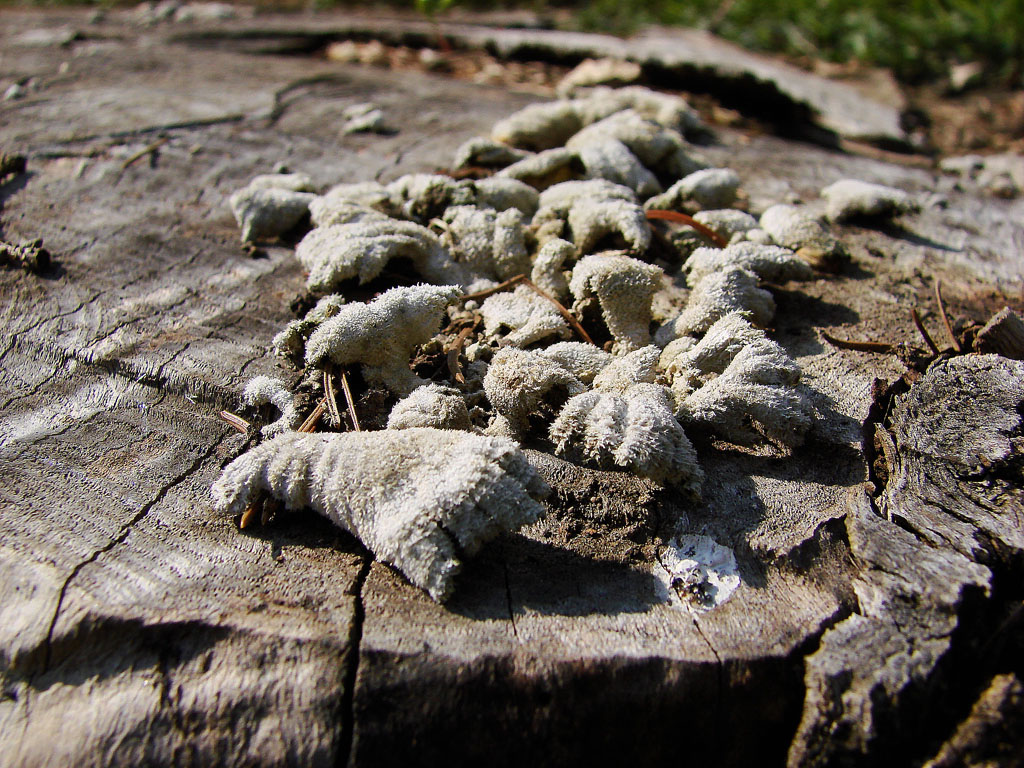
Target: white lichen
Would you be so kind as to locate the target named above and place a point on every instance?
(624, 287)
(547, 272)
(337, 204)
(501, 194)
(521, 317)
(739, 384)
(542, 169)
(487, 243)
(733, 289)
(851, 199)
(584, 361)
(710, 188)
(434, 406)
(768, 262)
(594, 209)
(421, 197)
(638, 367)
(700, 570)
(264, 390)
(483, 152)
(526, 390)
(291, 342)
(663, 108)
(363, 118)
(799, 230)
(296, 182)
(659, 148)
(633, 430)
(727, 222)
(418, 499)
(382, 335)
(360, 249)
(265, 213)
(610, 159)
(539, 126)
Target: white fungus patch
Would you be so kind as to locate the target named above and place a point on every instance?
(522, 317)
(402, 318)
(716, 295)
(711, 188)
(265, 213)
(594, 209)
(799, 230)
(700, 570)
(432, 405)
(852, 199)
(769, 262)
(419, 499)
(624, 288)
(264, 390)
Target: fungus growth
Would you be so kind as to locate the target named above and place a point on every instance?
(458, 370)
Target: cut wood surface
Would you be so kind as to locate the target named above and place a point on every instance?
(878, 618)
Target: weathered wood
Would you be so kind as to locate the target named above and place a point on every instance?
(144, 630)
(1002, 335)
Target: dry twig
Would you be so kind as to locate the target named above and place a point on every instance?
(859, 346)
(331, 397)
(309, 425)
(455, 350)
(923, 331)
(682, 218)
(350, 401)
(235, 421)
(945, 317)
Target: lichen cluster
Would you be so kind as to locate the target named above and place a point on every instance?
(555, 242)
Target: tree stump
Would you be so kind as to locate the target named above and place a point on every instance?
(878, 616)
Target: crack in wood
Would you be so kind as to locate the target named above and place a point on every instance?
(120, 537)
(346, 742)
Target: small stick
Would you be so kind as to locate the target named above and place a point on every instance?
(923, 331)
(350, 401)
(456, 350)
(496, 289)
(945, 317)
(309, 425)
(331, 396)
(682, 218)
(569, 317)
(147, 150)
(859, 346)
(235, 421)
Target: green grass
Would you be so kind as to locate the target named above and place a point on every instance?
(917, 39)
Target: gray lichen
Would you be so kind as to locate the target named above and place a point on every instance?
(382, 335)
(502, 193)
(265, 213)
(634, 429)
(851, 199)
(542, 169)
(711, 188)
(610, 159)
(335, 206)
(624, 288)
(547, 272)
(795, 228)
(526, 388)
(487, 243)
(421, 197)
(264, 390)
(488, 153)
(291, 342)
(539, 126)
(594, 209)
(362, 248)
(768, 262)
(657, 147)
(739, 384)
(433, 406)
(733, 289)
(663, 108)
(637, 367)
(584, 361)
(522, 317)
(419, 499)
